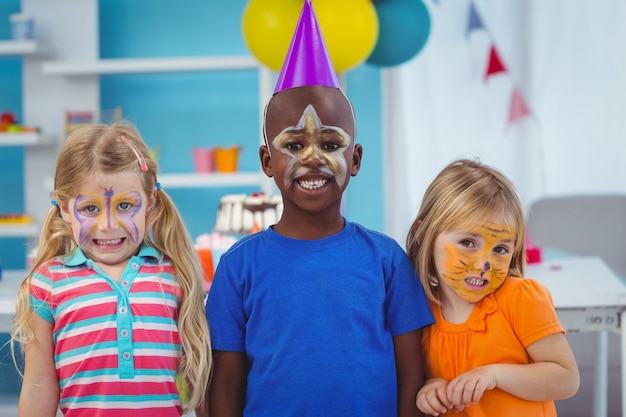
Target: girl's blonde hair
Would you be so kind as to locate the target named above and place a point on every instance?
(464, 193)
(107, 148)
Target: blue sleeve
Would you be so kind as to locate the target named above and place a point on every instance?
(40, 294)
(225, 310)
(407, 307)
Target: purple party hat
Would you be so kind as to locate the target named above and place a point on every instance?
(307, 61)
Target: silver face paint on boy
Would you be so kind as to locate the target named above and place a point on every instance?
(312, 145)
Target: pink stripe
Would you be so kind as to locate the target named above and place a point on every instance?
(128, 388)
(145, 412)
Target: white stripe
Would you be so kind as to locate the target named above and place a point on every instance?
(82, 357)
(125, 404)
(86, 329)
(87, 380)
(156, 352)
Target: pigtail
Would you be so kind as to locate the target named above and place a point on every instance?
(169, 235)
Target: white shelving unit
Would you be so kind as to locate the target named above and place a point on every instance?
(27, 230)
(240, 179)
(19, 48)
(28, 140)
(149, 65)
(63, 74)
(69, 69)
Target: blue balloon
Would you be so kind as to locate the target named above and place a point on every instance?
(403, 29)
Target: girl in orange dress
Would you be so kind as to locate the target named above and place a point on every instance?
(497, 347)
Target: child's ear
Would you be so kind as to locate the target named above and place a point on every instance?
(152, 201)
(266, 160)
(65, 214)
(357, 155)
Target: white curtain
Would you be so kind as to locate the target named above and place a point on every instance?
(568, 61)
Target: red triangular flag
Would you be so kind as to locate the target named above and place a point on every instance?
(495, 64)
(518, 108)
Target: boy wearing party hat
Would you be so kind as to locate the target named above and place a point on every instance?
(316, 316)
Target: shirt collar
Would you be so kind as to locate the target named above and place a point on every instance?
(78, 256)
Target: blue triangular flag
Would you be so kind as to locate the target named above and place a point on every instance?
(474, 21)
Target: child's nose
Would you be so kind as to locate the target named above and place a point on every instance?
(314, 156)
(482, 264)
(107, 222)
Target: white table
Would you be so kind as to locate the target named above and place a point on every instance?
(589, 297)
(8, 291)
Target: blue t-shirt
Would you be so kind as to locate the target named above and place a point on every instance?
(316, 320)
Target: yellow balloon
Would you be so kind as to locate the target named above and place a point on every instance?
(268, 26)
(349, 27)
(350, 30)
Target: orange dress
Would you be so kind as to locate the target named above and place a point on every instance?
(501, 325)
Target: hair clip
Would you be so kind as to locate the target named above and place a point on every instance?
(158, 186)
(142, 162)
(54, 203)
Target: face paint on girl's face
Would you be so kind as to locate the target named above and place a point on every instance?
(474, 262)
(310, 144)
(92, 210)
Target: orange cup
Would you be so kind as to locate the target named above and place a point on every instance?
(206, 261)
(226, 159)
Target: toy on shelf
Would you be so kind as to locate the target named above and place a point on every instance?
(9, 124)
(15, 219)
(76, 119)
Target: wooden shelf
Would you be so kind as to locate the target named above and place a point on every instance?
(149, 65)
(24, 139)
(8, 48)
(212, 180)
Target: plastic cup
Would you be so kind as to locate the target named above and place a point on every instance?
(226, 159)
(206, 261)
(204, 159)
(22, 27)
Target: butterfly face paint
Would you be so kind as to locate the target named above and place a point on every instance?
(312, 145)
(474, 262)
(107, 212)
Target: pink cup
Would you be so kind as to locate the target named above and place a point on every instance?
(204, 159)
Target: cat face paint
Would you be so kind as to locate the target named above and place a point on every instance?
(310, 144)
(474, 262)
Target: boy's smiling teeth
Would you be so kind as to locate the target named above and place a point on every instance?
(108, 241)
(311, 185)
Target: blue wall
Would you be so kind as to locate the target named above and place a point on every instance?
(178, 111)
(12, 251)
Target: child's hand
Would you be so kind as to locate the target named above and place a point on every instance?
(469, 387)
(432, 399)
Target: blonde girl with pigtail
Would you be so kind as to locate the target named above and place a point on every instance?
(497, 347)
(112, 311)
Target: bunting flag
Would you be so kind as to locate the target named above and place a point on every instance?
(518, 108)
(495, 65)
(474, 22)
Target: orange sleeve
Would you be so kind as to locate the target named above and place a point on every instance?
(529, 308)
